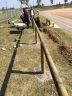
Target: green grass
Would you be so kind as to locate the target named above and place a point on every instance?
(40, 8)
(8, 14)
(67, 38)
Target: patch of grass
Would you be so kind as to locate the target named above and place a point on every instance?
(64, 35)
(67, 37)
(42, 8)
(61, 63)
(26, 59)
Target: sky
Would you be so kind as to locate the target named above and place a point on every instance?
(16, 3)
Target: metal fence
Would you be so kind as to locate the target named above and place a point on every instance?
(8, 14)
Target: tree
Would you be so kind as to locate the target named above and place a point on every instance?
(71, 2)
(38, 2)
(3, 8)
(51, 1)
(65, 1)
(59, 3)
(42, 5)
(24, 2)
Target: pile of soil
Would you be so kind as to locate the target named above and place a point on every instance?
(63, 47)
(66, 51)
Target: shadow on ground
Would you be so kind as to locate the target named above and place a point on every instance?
(10, 71)
(15, 32)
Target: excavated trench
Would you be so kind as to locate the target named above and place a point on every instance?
(63, 47)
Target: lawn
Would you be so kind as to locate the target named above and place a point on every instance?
(20, 66)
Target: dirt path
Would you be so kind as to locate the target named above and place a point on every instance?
(64, 12)
(63, 22)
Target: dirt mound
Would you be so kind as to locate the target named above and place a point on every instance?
(63, 47)
(66, 51)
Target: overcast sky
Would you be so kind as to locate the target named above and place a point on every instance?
(16, 3)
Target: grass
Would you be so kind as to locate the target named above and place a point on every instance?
(42, 8)
(45, 8)
(8, 14)
(17, 66)
(20, 79)
(67, 38)
(61, 63)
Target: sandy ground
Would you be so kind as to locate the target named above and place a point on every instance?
(64, 22)
(65, 12)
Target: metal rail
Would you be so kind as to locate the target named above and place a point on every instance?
(44, 51)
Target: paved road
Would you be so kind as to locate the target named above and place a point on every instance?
(64, 23)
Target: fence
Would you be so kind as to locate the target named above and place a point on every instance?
(55, 75)
(7, 14)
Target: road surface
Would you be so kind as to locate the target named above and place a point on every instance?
(63, 22)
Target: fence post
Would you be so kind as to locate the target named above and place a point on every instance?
(35, 35)
(52, 90)
(32, 21)
(42, 59)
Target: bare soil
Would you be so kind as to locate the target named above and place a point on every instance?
(63, 47)
(64, 12)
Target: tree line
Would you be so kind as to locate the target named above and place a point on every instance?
(38, 2)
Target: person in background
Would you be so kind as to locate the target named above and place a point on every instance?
(25, 17)
(31, 15)
(31, 12)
